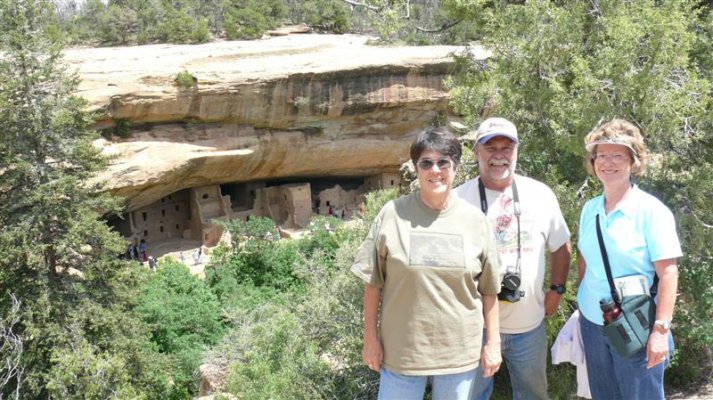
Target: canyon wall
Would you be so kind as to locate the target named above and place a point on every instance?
(285, 108)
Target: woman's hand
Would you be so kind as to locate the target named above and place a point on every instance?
(373, 353)
(490, 358)
(656, 348)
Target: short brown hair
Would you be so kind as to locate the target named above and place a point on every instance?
(437, 139)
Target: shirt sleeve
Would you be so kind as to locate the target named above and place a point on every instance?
(367, 258)
(661, 235)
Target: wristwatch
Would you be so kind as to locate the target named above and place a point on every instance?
(663, 323)
(559, 288)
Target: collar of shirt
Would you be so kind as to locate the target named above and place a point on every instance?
(627, 207)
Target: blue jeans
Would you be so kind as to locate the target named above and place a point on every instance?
(612, 377)
(393, 386)
(526, 358)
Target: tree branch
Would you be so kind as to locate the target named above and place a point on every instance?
(443, 27)
(358, 4)
(701, 221)
(11, 346)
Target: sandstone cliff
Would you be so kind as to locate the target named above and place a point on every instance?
(287, 108)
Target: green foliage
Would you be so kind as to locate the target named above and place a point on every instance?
(257, 258)
(78, 337)
(249, 19)
(122, 128)
(323, 234)
(277, 360)
(116, 25)
(184, 79)
(304, 344)
(375, 201)
(184, 317)
(388, 22)
(189, 21)
(326, 15)
(305, 348)
(178, 26)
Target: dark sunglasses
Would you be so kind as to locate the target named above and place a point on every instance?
(427, 164)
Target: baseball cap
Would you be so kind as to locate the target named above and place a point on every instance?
(496, 126)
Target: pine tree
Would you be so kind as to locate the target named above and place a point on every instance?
(59, 259)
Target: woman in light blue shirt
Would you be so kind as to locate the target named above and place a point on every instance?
(639, 234)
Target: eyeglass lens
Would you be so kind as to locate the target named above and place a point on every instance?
(614, 157)
(426, 163)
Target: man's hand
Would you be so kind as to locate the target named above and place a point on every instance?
(552, 302)
(490, 358)
(373, 354)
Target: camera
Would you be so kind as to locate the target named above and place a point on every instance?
(510, 289)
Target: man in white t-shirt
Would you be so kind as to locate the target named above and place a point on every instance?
(528, 224)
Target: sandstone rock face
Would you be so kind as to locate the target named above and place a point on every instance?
(286, 108)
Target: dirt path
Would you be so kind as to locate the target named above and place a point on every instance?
(704, 392)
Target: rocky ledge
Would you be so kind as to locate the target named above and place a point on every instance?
(284, 108)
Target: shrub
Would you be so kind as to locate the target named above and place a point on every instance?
(184, 317)
(326, 15)
(184, 79)
(306, 348)
(257, 257)
(122, 128)
(310, 346)
(249, 19)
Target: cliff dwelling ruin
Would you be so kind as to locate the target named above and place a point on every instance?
(190, 214)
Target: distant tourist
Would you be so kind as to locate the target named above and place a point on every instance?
(133, 250)
(152, 263)
(143, 250)
(330, 211)
(198, 256)
(344, 212)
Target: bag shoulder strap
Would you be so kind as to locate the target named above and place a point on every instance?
(615, 295)
(607, 269)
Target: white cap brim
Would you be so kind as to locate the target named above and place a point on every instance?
(590, 146)
(489, 136)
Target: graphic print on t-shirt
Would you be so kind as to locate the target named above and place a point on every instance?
(436, 250)
(505, 225)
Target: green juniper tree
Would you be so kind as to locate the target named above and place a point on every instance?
(76, 335)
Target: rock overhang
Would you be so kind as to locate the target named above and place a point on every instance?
(282, 108)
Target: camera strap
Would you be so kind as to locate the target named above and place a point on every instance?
(516, 210)
(614, 294)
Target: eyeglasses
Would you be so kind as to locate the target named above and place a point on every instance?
(616, 158)
(426, 163)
